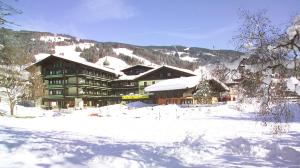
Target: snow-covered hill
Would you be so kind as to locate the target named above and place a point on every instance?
(188, 58)
(38, 44)
(129, 53)
(53, 38)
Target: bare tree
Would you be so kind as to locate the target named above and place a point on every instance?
(221, 72)
(6, 10)
(268, 51)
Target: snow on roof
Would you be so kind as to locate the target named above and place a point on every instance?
(174, 84)
(127, 77)
(179, 69)
(171, 67)
(149, 66)
(180, 83)
(114, 62)
(80, 61)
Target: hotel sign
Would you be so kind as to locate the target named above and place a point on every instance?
(134, 97)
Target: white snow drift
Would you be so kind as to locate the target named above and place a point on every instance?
(151, 136)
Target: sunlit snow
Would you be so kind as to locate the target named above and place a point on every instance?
(224, 135)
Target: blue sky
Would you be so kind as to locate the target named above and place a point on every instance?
(199, 23)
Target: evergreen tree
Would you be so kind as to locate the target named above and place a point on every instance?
(203, 93)
(106, 62)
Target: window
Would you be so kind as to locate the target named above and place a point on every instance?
(145, 84)
(55, 92)
(161, 75)
(169, 74)
(59, 92)
(153, 82)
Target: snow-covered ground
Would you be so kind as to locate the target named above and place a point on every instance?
(129, 53)
(188, 58)
(68, 51)
(209, 54)
(53, 38)
(151, 136)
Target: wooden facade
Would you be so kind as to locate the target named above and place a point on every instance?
(156, 75)
(124, 87)
(185, 96)
(67, 82)
(163, 73)
(136, 70)
(133, 90)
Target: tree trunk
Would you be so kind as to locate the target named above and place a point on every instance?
(12, 106)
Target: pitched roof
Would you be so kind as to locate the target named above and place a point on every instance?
(146, 66)
(180, 83)
(167, 66)
(79, 61)
(174, 84)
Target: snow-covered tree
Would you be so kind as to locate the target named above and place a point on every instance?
(106, 62)
(265, 65)
(221, 72)
(203, 93)
(13, 79)
(14, 84)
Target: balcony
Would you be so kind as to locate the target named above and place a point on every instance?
(54, 96)
(54, 76)
(95, 77)
(52, 86)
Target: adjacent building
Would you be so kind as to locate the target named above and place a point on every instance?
(159, 74)
(181, 90)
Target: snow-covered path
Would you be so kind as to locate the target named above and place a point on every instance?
(161, 136)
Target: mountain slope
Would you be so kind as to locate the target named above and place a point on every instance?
(33, 44)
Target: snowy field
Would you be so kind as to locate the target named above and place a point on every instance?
(154, 136)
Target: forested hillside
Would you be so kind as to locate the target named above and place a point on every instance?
(30, 44)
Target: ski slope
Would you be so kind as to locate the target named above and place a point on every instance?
(129, 53)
